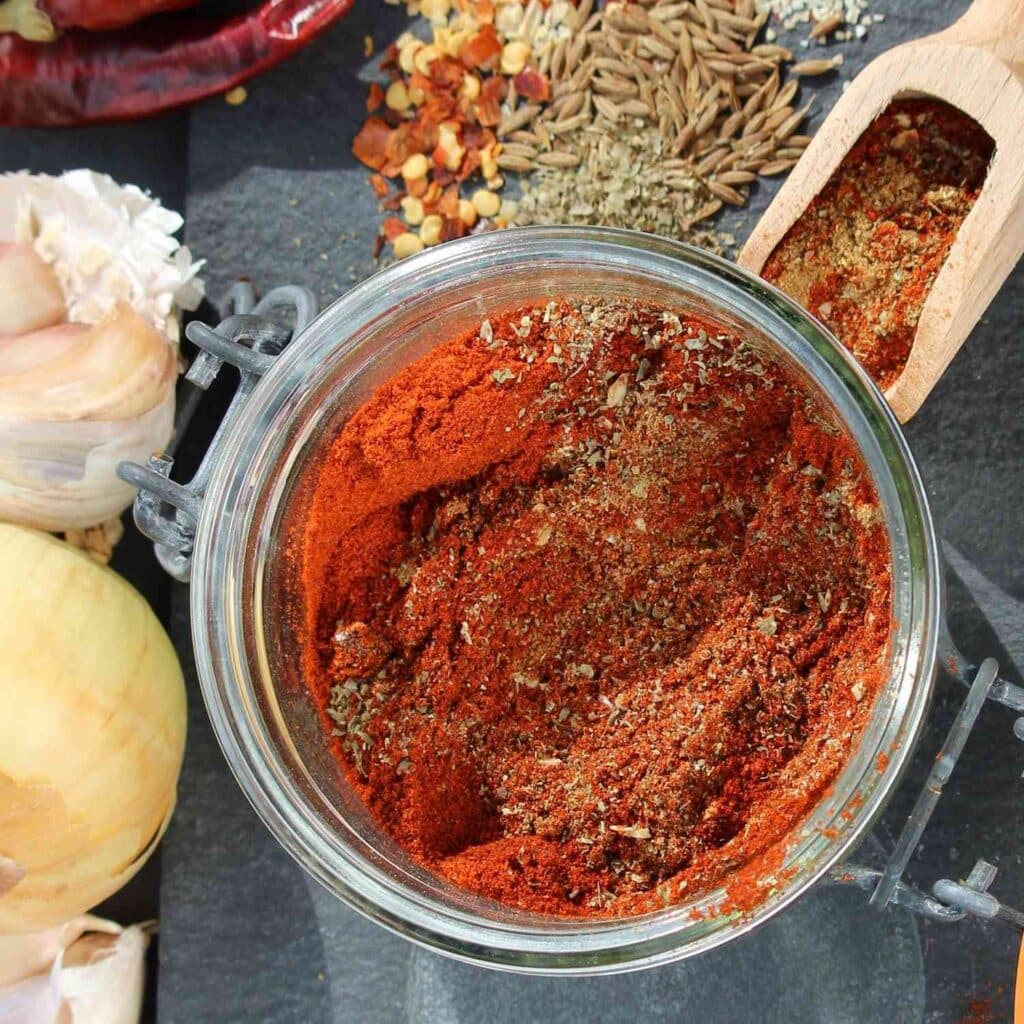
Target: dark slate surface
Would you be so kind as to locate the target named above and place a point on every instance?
(273, 194)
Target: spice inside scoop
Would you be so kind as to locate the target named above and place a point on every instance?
(865, 253)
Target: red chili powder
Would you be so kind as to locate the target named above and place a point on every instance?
(978, 1011)
(598, 601)
(865, 253)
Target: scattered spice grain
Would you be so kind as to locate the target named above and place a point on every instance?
(864, 255)
(629, 115)
(597, 603)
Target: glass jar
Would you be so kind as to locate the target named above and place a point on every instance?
(245, 654)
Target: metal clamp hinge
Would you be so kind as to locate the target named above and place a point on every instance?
(250, 336)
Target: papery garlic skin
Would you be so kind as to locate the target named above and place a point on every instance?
(87, 971)
(75, 403)
(92, 729)
(62, 475)
(107, 243)
(31, 297)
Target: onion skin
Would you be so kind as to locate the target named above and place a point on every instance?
(30, 294)
(92, 729)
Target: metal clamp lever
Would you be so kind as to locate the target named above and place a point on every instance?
(250, 336)
(952, 901)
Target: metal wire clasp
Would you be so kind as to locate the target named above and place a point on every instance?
(950, 900)
(250, 336)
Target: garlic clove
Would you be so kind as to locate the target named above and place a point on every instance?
(30, 294)
(25, 954)
(62, 475)
(118, 369)
(20, 354)
(103, 977)
(87, 971)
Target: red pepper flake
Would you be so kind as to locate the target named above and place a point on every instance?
(533, 85)
(482, 50)
(476, 136)
(374, 98)
(447, 74)
(417, 187)
(371, 143)
(433, 194)
(379, 185)
(448, 205)
(393, 227)
(978, 1011)
(452, 227)
(488, 112)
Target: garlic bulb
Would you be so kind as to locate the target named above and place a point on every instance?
(87, 971)
(76, 398)
(92, 731)
(31, 296)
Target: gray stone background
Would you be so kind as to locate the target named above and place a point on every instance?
(271, 192)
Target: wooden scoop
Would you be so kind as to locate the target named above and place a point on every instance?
(976, 65)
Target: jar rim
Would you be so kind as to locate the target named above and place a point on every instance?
(233, 535)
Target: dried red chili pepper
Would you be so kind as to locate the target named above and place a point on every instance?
(106, 14)
(84, 77)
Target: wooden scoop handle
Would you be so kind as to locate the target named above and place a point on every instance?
(993, 25)
(1018, 994)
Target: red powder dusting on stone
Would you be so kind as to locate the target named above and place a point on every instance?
(978, 1011)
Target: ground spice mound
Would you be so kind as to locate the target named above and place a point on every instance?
(600, 603)
(865, 254)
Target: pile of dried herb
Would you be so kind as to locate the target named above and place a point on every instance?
(650, 114)
(679, 111)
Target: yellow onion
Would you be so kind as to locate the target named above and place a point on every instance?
(92, 730)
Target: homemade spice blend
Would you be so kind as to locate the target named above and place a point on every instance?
(864, 255)
(597, 602)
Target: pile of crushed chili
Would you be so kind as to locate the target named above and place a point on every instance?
(599, 602)
(865, 254)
